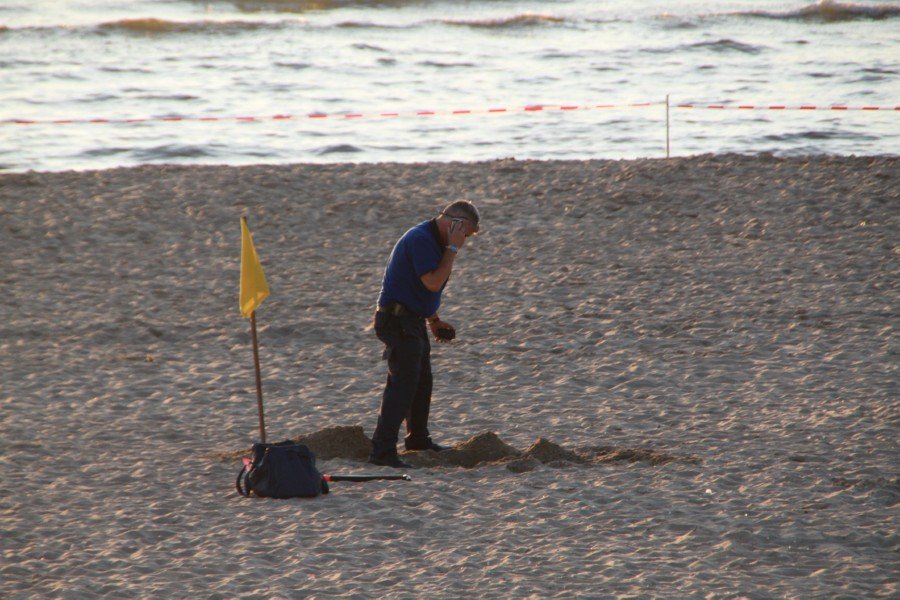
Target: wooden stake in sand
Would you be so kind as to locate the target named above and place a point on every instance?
(667, 126)
(254, 290)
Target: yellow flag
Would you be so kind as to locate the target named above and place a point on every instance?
(254, 288)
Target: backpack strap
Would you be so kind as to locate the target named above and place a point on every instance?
(244, 474)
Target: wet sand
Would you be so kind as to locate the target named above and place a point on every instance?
(671, 379)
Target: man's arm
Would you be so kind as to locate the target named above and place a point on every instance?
(435, 280)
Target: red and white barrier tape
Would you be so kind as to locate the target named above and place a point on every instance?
(441, 113)
(314, 116)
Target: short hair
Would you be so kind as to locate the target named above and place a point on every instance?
(463, 208)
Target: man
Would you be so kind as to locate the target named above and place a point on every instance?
(414, 279)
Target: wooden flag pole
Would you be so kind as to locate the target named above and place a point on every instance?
(259, 397)
(254, 290)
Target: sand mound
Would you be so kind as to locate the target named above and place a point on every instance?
(350, 442)
(546, 451)
(341, 441)
(607, 454)
(481, 449)
(488, 448)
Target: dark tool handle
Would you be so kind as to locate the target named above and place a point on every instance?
(366, 477)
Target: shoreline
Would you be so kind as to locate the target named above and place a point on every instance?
(706, 155)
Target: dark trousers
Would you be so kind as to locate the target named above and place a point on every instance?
(407, 393)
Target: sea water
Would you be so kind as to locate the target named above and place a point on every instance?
(154, 61)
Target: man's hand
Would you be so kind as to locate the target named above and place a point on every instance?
(456, 233)
(437, 324)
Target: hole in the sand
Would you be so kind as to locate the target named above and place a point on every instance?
(350, 443)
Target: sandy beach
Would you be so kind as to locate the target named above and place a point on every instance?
(672, 378)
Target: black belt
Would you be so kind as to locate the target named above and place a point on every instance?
(398, 310)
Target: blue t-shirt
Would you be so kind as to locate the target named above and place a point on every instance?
(417, 252)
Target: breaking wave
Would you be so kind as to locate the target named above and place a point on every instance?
(150, 25)
(823, 11)
(369, 25)
(818, 135)
(338, 149)
(719, 46)
(171, 151)
(302, 6)
(830, 11)
(515, 22)
(726, 45)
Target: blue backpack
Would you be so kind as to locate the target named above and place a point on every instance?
(282, 470)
